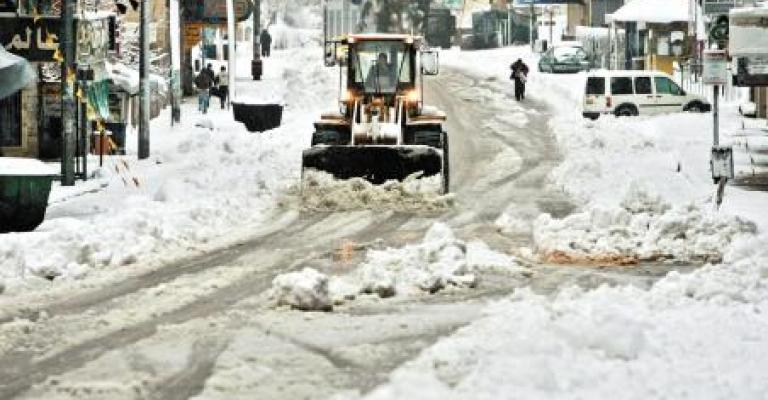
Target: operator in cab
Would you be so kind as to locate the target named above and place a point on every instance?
(381, 74)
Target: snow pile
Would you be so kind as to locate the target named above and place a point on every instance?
(697, 336)
(285, 37)
(25, 166)
(305, 290)
(201, 184)
(439, 261)
(322, 192)
(642, 228)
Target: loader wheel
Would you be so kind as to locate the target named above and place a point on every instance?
(446, 163)
(428, 138)
(327, 136)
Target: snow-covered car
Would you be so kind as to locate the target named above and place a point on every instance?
(564, 59)
(626, 93)
(748, 109)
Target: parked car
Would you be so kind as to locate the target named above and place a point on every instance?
(625, 93)
(564, 59)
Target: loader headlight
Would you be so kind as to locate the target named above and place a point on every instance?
(412, 96)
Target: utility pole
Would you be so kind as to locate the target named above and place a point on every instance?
(175, 34)
(256, 63)
(231, 39)
(144, 82)
(532, 13)
(68, 94)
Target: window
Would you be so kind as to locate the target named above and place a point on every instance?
(665, 85)
(643, 85)
(10, 121)
(596, 85)
(621, 85)
(382, 65)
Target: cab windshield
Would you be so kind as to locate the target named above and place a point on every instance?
(381, 65)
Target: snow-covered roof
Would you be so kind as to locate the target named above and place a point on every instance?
(627, 72)
(382, 36)
(653, 11)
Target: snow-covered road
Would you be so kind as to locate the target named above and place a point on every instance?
(200, 320)
(204, 325)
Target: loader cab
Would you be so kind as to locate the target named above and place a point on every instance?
(380, 66)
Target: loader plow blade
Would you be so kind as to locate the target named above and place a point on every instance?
(377, 164)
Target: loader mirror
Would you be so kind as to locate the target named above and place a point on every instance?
(330, 54)
(430, 63)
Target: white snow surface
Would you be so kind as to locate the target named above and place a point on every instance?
(653, 11)
(199, 185)
(439, 262)
(25, 167)
(320, 191)
(306, 290)
(645, 191)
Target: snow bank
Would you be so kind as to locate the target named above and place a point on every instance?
(305, 290)
(438, 262)
(697, 336)
(25, 166)
(641, 228)
(322, 192)
(200, 184)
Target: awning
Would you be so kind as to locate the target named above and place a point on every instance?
(15, 73)
(653, 11)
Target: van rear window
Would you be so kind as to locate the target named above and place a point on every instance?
(621, 85)
(595, 85)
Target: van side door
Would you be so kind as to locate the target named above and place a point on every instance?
(646, 99)
(669, 96)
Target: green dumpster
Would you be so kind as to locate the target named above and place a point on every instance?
(24, 189)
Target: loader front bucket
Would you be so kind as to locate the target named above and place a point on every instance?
(377, 164)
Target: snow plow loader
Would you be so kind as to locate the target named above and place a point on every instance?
(382, 130)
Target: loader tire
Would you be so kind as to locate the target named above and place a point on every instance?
(328, 137)
(428, 138)
(446, 163)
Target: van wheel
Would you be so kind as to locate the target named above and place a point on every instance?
(694, 107)
(626, 111)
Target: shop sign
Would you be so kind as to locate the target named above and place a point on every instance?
(33, 40)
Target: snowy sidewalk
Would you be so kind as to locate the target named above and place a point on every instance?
(207, 179)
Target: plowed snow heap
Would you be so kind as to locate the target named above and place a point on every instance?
(382, 130)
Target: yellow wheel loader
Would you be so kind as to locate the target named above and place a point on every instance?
(382, 131)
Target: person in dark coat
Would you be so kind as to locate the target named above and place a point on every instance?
(266, 43)
(519, 75)
(203, 83)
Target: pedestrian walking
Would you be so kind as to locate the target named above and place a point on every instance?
(266, 43)
(519, 75)
(223, 86)
(203, 83)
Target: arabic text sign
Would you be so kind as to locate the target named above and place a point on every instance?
(35, 41)
(215, 11)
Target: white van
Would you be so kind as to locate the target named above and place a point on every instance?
(625, 93)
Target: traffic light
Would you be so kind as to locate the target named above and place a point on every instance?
(719, 30)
